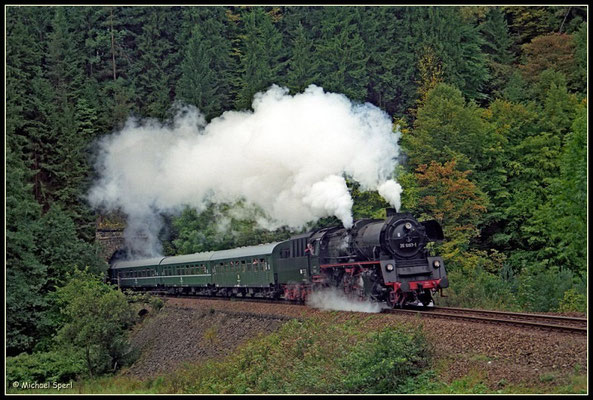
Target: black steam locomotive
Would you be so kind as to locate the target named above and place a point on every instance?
(380, 260)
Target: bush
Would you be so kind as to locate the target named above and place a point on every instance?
(386, 362)
(542, 288)
(573, 301)
(52, 366)
(314, 357)
(476, 281)
(96, 317)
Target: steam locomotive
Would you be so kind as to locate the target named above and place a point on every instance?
(378, 260)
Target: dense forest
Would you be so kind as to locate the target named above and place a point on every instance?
(491, 103)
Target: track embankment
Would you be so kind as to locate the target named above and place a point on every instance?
(194, 330)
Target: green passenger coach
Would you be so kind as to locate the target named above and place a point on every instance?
(246, 270)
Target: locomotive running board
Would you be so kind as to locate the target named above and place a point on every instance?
(350, 264)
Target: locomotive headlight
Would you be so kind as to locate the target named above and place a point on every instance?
(389, 267)
(408, 226)
(436, 263)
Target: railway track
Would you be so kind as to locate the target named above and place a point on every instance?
(525, 320)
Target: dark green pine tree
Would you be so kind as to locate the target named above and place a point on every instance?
(303, 64)
(342, 53)
(261, 56)
(206, 66)
(391, 66)
(25, 275)
(153, 71)
(64, 168)
(497, 47)
(456, 43)
(25, 51)
(108, 48)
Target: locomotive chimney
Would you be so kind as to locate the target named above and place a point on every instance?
(390, 211)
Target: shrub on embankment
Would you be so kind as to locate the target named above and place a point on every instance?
(314, 356)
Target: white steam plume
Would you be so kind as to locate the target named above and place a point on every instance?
(336, 299)
(288, 157)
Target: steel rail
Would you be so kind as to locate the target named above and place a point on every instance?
(465, 314)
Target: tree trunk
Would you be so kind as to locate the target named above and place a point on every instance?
(88, 360)
(113, 46)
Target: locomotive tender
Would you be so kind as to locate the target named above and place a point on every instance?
(380, 260)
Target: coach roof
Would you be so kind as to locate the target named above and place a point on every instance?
(145, 262)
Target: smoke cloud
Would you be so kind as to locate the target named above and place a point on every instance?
(288, 157)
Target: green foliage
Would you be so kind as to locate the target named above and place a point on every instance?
(157, 62)
(456, 43)
(387, 362)
(447, 128)
(573, 301)
(206, 66)
(497, 46)
(53, 366)
(475, 282)
(261, 56)
(342, 53)
(542, 287)
(559, 226)
(527, 22)
(210, 229)
(96, 317)
(392, 63)
(62, 251)
(25, 274)
(580, 56)
(302, 64)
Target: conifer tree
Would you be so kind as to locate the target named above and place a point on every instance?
(343, 54)
(303, 64)
(261, 56)
(497, 47)
(205, 69)
(456, 43)
(391, 65)
(155, 67)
